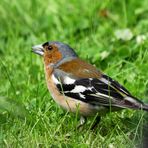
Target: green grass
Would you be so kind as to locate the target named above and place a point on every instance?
(28, 115)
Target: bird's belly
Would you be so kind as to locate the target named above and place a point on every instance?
(76, 106)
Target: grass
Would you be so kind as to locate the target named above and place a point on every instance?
(28, 115)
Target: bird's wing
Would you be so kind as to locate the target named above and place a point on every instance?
(101, 90)
(80, 69)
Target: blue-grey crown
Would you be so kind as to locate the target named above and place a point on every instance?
(65, 49)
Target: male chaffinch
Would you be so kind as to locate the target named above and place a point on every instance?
(78, 86)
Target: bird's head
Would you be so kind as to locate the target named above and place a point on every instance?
(54, 52)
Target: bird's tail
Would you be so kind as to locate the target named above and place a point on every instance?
(145, 107)
(134, 103)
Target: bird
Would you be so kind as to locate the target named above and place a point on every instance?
(78, 86)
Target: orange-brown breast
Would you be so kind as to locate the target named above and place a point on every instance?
(80, 69)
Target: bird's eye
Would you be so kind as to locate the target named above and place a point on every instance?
(50, 47)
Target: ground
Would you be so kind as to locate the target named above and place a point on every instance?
(28, 115)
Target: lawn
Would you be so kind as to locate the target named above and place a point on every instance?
(28, 115)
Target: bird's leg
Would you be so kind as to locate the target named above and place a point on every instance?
(82, 122)
(96, 122)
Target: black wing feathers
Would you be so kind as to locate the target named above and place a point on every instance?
(104, 91)
(116, 84)
(65, 87)
(93, 86)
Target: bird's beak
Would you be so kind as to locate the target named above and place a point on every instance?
(38, 49)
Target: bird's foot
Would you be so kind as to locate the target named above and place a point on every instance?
(82, 122)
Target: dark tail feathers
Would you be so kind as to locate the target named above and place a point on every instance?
(145, 107)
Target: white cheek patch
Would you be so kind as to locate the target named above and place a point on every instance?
(79, 89)
(68, 80)
(55, 80)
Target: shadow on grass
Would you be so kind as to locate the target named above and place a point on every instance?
(12, 108)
